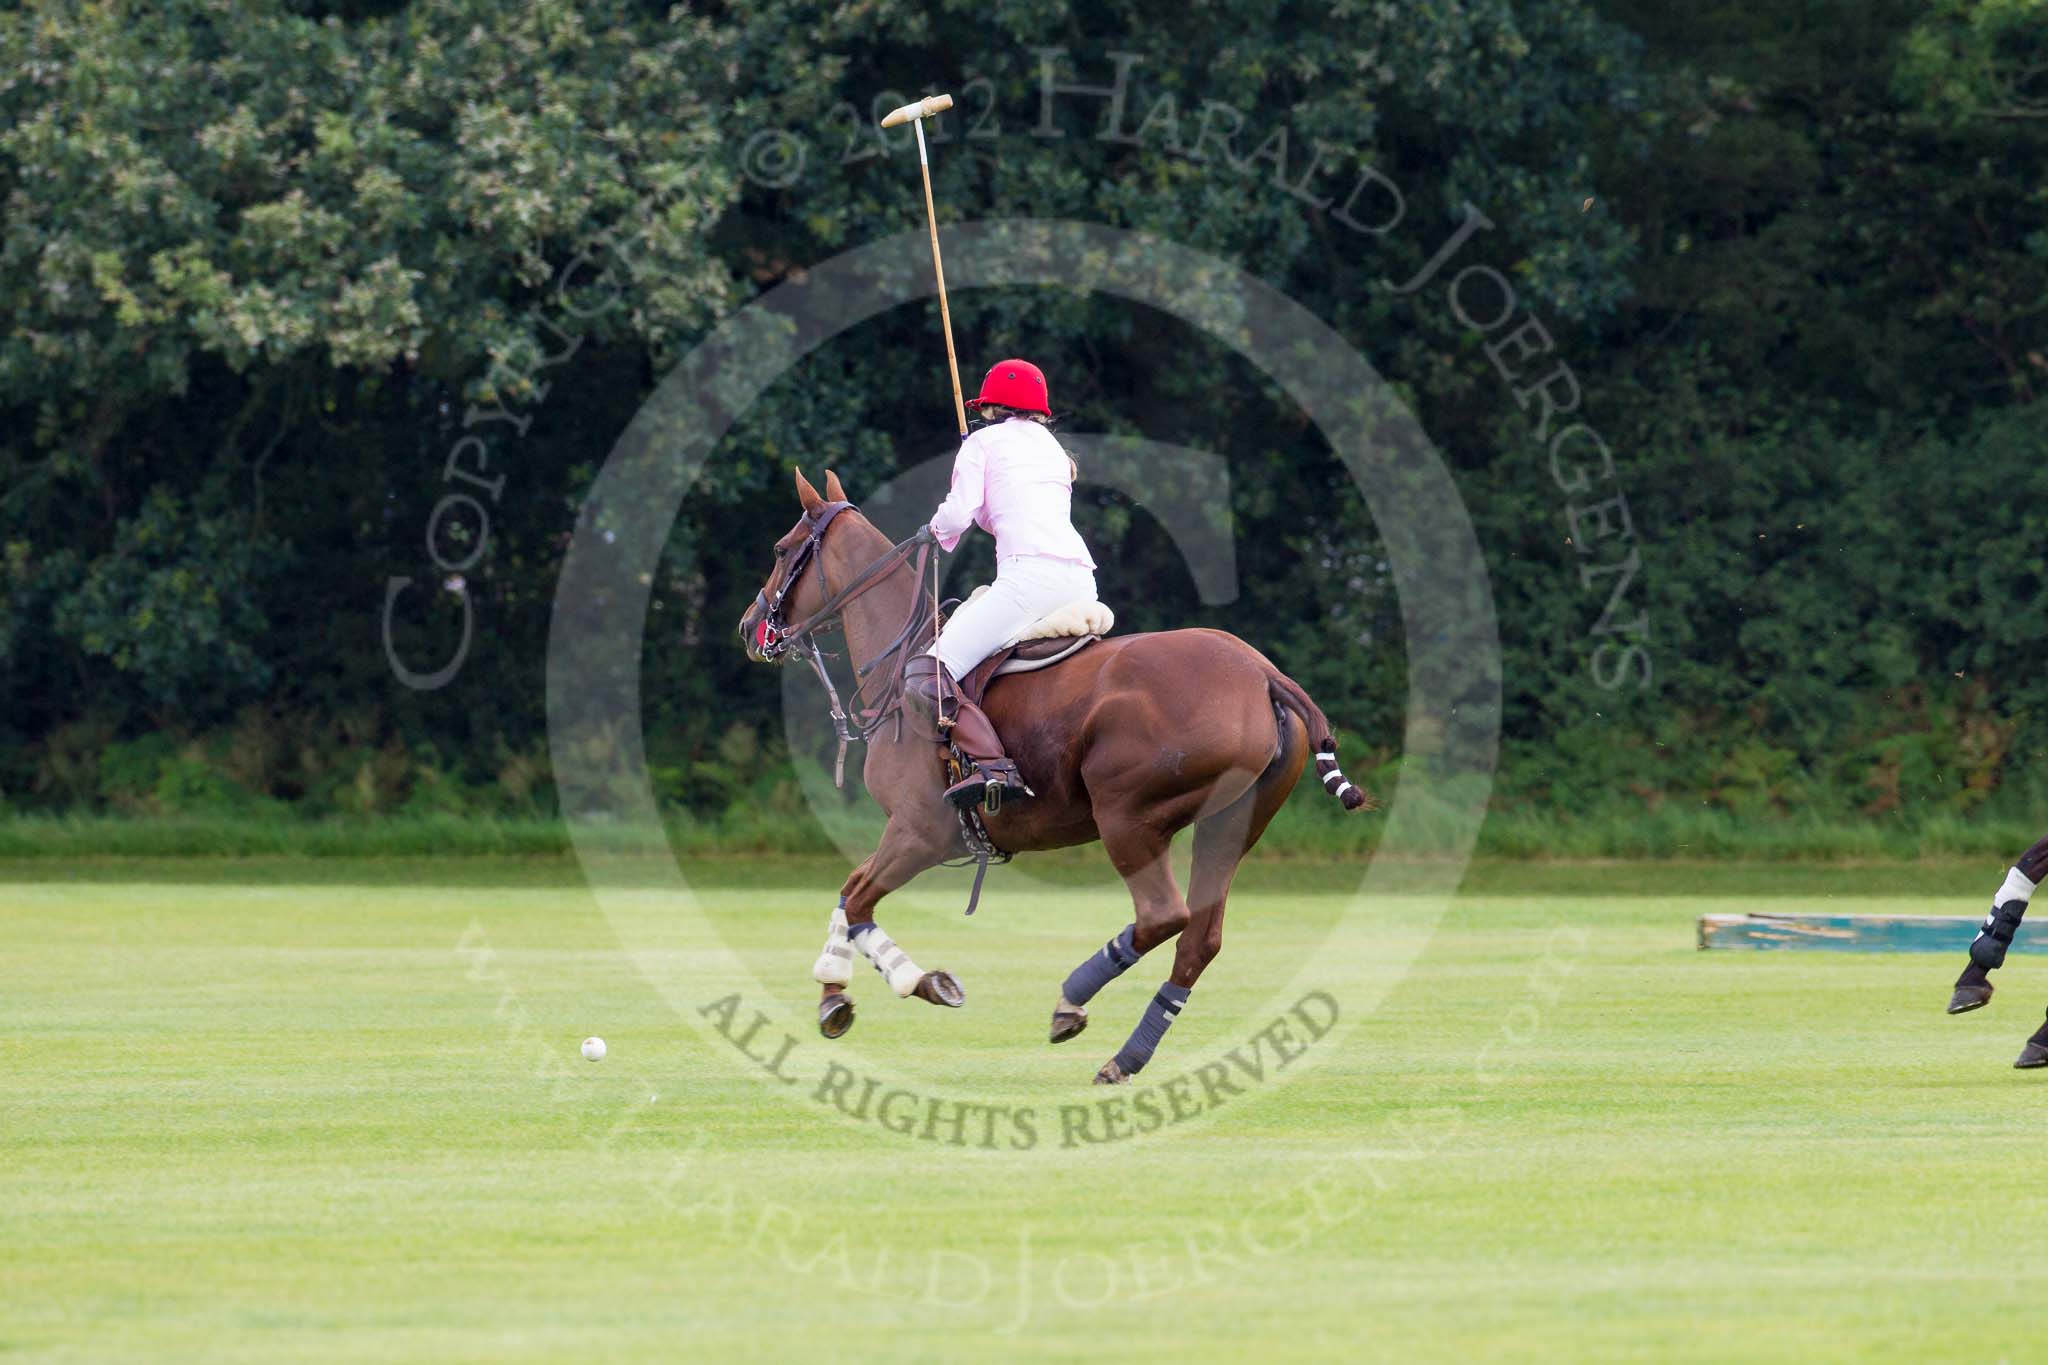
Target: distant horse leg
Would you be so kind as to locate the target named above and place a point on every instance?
(1987, 951)
(1139, 853)
(905, 851)
(2035, 1054)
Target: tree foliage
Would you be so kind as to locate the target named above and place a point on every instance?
(268, 264)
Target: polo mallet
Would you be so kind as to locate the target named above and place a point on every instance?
(915, 115)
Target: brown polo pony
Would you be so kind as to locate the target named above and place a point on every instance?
(1130, 741)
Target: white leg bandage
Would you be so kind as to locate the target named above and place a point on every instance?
(891, 961)
(2016, 888)
(835, 963)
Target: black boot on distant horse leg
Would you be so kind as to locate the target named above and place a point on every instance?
(1987, 952)
(995, 779)
(2008, 908)
(1972, 992)
(2035, 1053)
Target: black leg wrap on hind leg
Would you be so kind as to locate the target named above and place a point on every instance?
(1113, 961)
(1159, 1016)
(1987, 950)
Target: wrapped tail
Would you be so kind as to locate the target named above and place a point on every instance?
(1288, 693)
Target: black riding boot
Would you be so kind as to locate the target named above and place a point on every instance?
(995, 779)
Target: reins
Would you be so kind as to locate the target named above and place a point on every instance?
(802, 640)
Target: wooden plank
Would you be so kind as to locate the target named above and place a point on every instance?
(1850, 933)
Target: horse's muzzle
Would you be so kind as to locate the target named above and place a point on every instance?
(764, 644)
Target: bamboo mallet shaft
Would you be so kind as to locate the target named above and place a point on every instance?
(915, 115)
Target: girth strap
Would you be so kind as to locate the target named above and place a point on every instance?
(980, 871)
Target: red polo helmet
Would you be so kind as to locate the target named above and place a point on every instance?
(1015, 384)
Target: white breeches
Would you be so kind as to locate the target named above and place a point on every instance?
(1026, 588)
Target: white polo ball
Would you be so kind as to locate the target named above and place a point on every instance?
(593, 1049)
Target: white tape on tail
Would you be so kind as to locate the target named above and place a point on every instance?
(834, 966)
(1333, 779)
(891, 961)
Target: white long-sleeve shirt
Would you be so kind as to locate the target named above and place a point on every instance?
(1014, 481)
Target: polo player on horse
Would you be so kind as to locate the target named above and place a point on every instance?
(1090, 724)
(1012, 479)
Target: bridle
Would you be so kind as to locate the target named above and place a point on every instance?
(771, 634)
(774, 638)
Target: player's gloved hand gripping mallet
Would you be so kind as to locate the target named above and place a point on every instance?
(915, 115)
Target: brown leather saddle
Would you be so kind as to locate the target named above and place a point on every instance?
(1028, 657)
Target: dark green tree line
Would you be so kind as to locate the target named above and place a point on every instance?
(267, 265)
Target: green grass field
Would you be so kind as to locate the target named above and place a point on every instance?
(321, 1110)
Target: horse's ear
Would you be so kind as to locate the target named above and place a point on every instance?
(833, 492)
(812, 502)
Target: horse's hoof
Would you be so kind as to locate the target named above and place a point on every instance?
(2031, 1056)
(1111, 1074)
(940, 989)
(835, 1015)
(1969, 998)
(1068, 1023)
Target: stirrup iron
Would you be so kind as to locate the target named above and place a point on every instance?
(994, 791)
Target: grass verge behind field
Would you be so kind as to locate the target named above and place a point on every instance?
(287, 1109)
(1308, 827)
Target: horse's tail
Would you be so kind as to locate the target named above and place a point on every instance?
(1287, 692)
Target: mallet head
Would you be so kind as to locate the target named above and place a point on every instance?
(924, 108)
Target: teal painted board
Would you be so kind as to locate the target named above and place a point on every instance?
(1850, 933)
